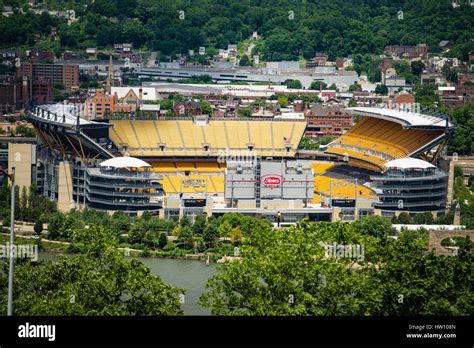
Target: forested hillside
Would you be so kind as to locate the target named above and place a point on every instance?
(290, 29)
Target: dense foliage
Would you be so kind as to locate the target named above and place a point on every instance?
(287, 272)
(289, 29)
(98, 281)
(462, 142)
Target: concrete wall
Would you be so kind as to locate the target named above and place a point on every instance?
(448, 166)
(65, 199)
(21, 156)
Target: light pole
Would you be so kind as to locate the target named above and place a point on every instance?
(12, 226)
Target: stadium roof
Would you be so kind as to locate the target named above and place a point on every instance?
(408, 163)
(124, 162)
(66, 114)
(406, 118)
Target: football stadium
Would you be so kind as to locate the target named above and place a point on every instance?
(388, 162)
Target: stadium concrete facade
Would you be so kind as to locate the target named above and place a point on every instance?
(190, 166)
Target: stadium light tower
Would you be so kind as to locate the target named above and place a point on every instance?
(12, 226)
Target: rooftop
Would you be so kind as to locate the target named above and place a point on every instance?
(404, 117)
(124, 162)
(409, 163)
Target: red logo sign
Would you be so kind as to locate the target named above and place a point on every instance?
(272, 181)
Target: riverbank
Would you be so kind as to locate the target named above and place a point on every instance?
(190, 275)
(53, 246)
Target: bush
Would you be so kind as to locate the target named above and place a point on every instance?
(146, 252)
(38, 227)
(170, 246)
(162, 240)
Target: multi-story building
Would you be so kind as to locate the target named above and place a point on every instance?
(187, 108)
(125, 50)
(456, 96)
(13, 94)
(102, 104)
(397, 83)
(327, 121)
(64, 74)
(42, 91)
(412, 185)
(410, 51)
(320, 59)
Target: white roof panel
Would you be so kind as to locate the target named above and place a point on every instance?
(124, 162)
(409, 118)
(408, 163)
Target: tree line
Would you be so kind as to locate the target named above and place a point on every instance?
(289, 271)
(290, 30)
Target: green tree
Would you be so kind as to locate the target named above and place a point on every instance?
(185, 222)
(381, 89)
(244, 112)
(283, 101)
(185, 238)
(206, 107)
(374, 226)
(120, 222)
(199, 225)
(38, 227)
(289, 272)
(293, 84)
(162, 240)
(316, 85)
(98, 281)
(417, 67)
(225, 229)
(451, 74)
(355, 87)
(245, 61)
(458, 172)
(236, 236)
(210, 235)
(404, 218)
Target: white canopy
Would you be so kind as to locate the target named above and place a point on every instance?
(408, 163)
(404, 117)
(124, 162)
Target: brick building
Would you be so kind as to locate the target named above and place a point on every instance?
(13, 94)
(455, 97)
(326, 120)
(187, 108)
(103, 104)
(42, 91)
(64, 74)
(409, 51)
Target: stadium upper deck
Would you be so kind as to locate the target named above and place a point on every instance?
(186, 138)
(386, 134)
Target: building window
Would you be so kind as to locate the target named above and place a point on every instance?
(348, 214)
(365, 212)
(172, 213)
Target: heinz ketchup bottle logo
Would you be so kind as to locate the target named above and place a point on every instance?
(272, 181)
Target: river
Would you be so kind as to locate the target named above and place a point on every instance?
(185, 274)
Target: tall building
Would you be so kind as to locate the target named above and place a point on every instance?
(65, 74)
(327, 121)
(13, 94)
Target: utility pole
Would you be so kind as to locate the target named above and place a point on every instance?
(12, 241)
